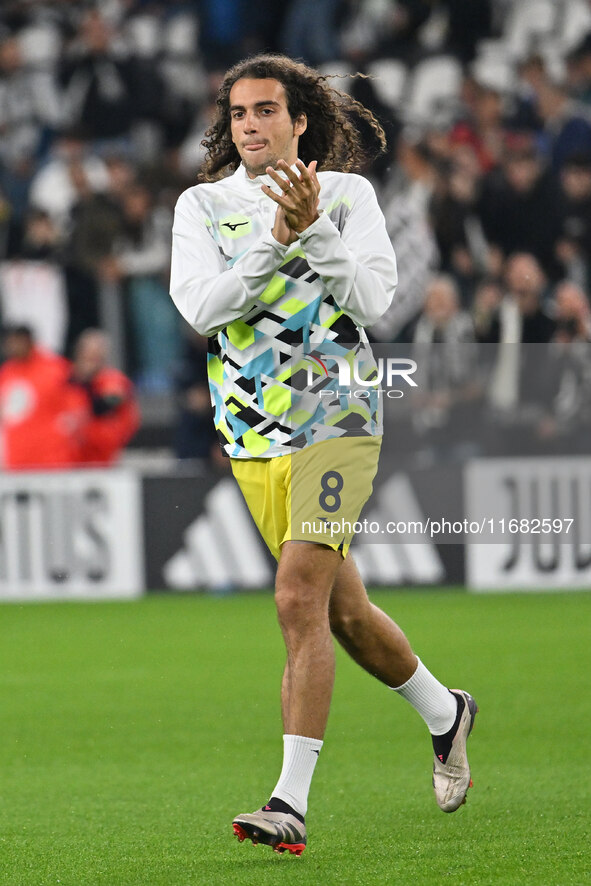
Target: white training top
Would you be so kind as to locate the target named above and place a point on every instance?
(267, 307)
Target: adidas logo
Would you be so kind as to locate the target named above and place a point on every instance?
(221, 548)
(396, 559)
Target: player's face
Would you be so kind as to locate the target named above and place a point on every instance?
(261, 127)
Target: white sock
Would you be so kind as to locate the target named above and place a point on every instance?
(299, 759)
(433, 701)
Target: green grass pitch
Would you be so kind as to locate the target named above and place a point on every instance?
(132, 733)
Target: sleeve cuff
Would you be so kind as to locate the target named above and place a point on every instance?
(271, 241)
(321, 225)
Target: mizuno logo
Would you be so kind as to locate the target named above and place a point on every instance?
(233, 226)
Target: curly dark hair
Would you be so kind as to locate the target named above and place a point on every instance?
(333, 135)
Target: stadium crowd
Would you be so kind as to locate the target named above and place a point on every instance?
(486, 186)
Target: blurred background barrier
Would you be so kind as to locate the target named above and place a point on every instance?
(508, 523)
(537, 515)
(74, 534)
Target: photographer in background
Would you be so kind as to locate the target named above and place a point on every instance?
(33, 403)
(103, 400)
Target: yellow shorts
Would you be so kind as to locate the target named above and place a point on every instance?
(314, 495)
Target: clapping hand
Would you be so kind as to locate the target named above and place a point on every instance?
(298, 200)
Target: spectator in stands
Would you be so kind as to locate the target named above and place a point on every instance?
(29, 111)
(29, 105)
(443, 322)
(33, 285)
(572, 314)
(486, 304)
(555, 383)
(460, 239)
(384, 29)
(566, 123)
(444, 348)
(567, 422)
(8, 232)
(100, 87)
(102, 402)
(520, 207)
(314, 45)
(33, 409)
(140, 262)
(97, 221)
(578, 65)
(406, 203)
(482, 125)
(517, 393)
(521, 317)
(574, 246)
(72, 171)
(195, 435)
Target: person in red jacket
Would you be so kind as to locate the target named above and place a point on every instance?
(35, 428)
(105, 399)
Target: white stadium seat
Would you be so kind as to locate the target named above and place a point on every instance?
(40, 45)
(144, 35)
(527, 23)
(434, 88)
(495, 72)
(575, 23)
(338, 73)
(389, 80)
(181, 35)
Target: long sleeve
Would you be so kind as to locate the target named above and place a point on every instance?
(358, 267)
(208, 294)
(267, 301)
